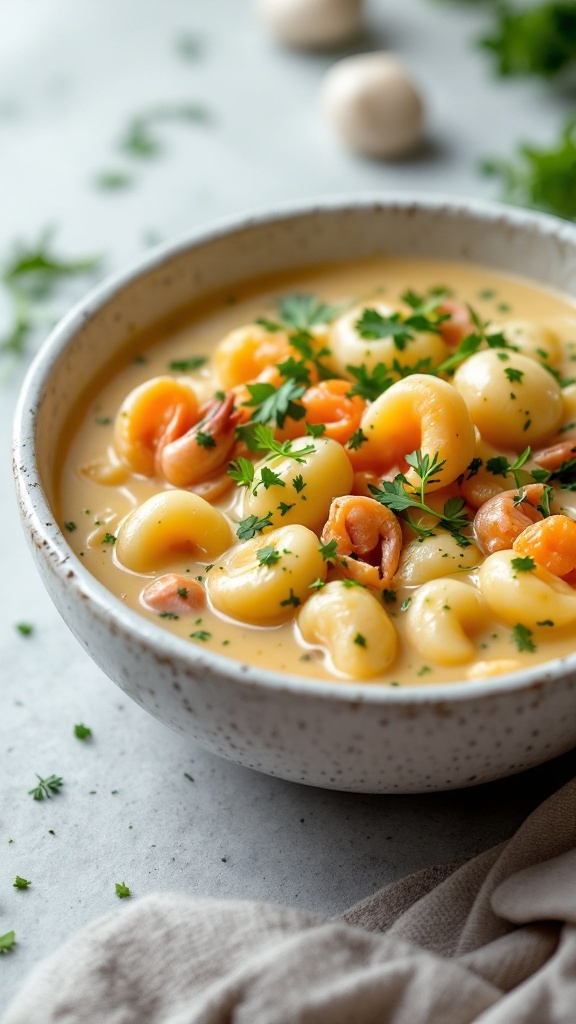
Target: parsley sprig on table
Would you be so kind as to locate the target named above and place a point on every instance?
(7, 941)
(539, 40)
(400, 496)
(31, 276)
(544, 179)
(46, 787)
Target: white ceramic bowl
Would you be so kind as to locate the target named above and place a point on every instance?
(351, 736)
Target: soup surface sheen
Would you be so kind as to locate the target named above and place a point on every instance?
(377, 543)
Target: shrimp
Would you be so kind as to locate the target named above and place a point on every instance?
(460, 323)
(152, 415)
(203, 449)
(551, 543)
(368, 538)
(174, 595)
(499, 521)
(329, 402)
(560, 450)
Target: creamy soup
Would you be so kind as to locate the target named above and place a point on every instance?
(357, 472)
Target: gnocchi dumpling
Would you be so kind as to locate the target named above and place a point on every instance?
(262, 581)
(513, 400)
(418, 412)
(440, 618)
(352, 627)
(348, 347)
(169, 525)
(305, 486)
(533, 598)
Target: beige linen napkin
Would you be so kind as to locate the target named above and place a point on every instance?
(491, 941)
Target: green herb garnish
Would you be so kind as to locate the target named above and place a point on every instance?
(46, 787)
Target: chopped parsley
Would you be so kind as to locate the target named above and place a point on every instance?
(406, 604)
(201, 634)
(205, 440)
(182, 592)
(514, 376)
(357, 439)
(298, 483)
(168, 615)
(523, 564)
(544, 179)
(250, 526)
(329, 550)
(388, 596)
(187, 365)
(30, 276)
(283, 508)
(522, 637)
(7, 941)
(70, 526)
(539, 40)
(122, 890)
(82, 732)
(292, 600)
(268, 555)
(109, 538)
(46, 787)
(25, 628)
(360, 640)
(21, 883)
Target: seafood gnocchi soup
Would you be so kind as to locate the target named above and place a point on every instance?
(362, 472)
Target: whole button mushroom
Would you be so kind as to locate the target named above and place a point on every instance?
(311, 24)
(374, 105)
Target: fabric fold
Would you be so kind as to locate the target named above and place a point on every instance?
(489, 941)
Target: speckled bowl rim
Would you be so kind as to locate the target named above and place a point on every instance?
(40, 517)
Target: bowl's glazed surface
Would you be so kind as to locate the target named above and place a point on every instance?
(351, 736)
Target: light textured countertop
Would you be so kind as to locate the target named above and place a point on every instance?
(71, 77)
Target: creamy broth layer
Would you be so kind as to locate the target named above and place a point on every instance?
(96, 492)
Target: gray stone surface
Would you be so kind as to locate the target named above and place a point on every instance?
(71, 76)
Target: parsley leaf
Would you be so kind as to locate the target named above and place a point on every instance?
(46, 787)
(329, 550)
(370, 384)
(82, 732)
(25, 628)
(301, 312)
(268, 478)
(242, 471)
(274, 405)
(540, 40)
(7, 941)
(250, 526)
(122, 890)
(523, 564)
(522, 637)
(544, 179)
(21, 883)
(32, 275)
(268, 555)
(187, 365)
(292, 599)
(357, 439)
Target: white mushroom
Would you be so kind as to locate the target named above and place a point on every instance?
(311, 24)
(374, 105)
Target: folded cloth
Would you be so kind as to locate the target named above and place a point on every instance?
(491, 941)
